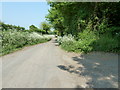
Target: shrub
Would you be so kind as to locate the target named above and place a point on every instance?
(12, 39)
(66, 38)
(83, 44)
(86, 39)
(107, 43)
(67, 42)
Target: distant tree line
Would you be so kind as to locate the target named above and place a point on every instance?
(4, 26)
(44, 28)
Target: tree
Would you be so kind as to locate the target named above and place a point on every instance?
(4, 26)
(33, 28)
(75, 17)
(56, 19)
(45, 26)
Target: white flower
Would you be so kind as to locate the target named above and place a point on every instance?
(65, 38)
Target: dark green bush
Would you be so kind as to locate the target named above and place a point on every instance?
(107, 43)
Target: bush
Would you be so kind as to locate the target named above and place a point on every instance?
(107, 43)
(12, 39)
(65, 38)
(83, 44)
(67, 42)
(88, 41)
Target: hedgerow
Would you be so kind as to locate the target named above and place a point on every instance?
(13, 39)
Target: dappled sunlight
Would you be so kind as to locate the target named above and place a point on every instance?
(87, 32)
(98, 72)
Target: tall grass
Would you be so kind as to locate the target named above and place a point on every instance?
(12, 40)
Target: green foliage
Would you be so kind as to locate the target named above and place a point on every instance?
(33, 28)
(95, 25)
(73, 17)
(69, 46)
(46, 27)
(4, 26)
(67, 42)
(56, 19)
(12, 40)
(89, 41)
(107, 43)
(84, 44)
(55, 32)
(86, 39)
(115, 31)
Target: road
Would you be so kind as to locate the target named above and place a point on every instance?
(46, 65)
(37, 67)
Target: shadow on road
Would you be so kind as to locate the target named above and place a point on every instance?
(79, 88)
(101, 70)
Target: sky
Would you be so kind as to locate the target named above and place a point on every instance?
(24, 13)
